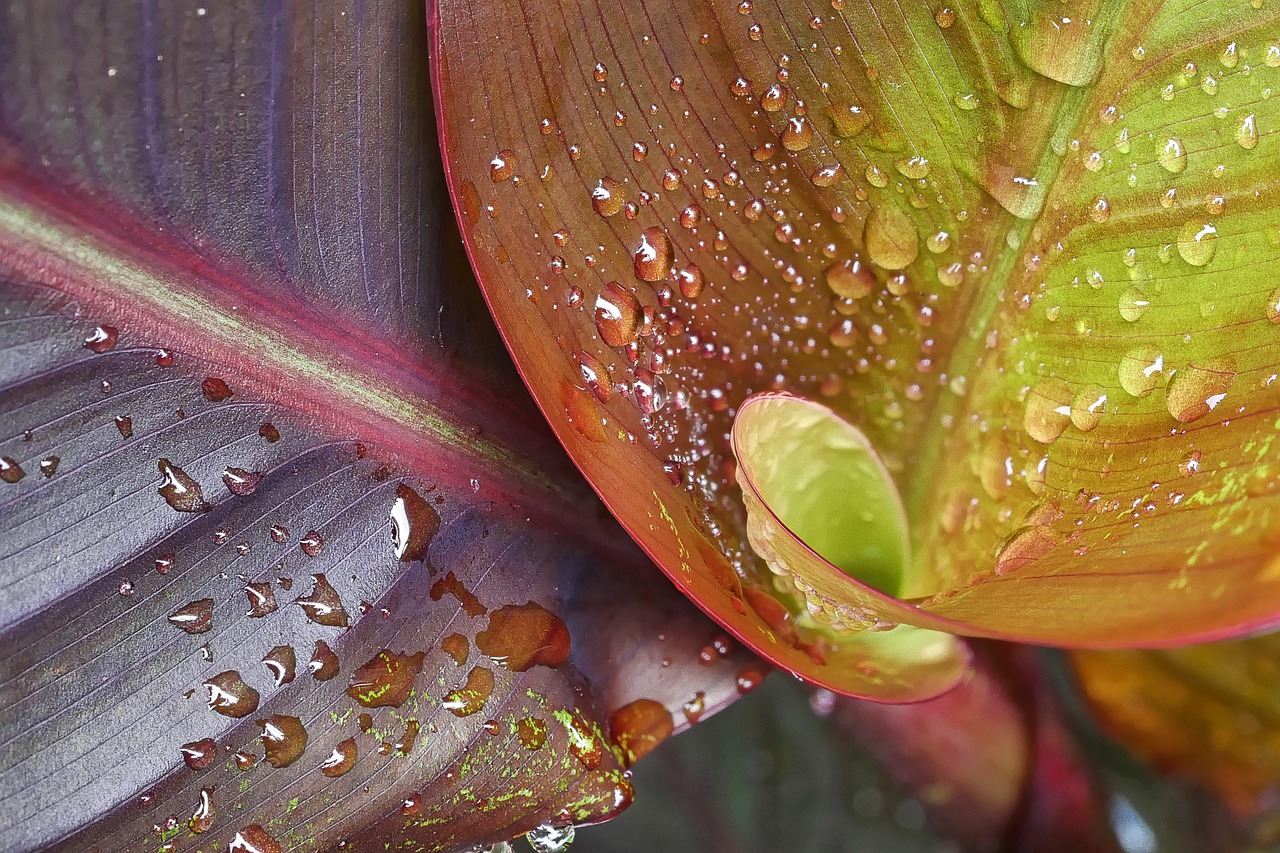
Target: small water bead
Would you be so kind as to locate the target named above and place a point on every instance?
(600, 73)
(774, 98)
(11, 471)
(1133, 304)
(1048, 410)
(48, 467)
(639, 151)
(202, 818)
(312, 543)
(262, 599)
(1087, 407)
(1173, 156)
(951, 275)
(1247, 133)
(1190, 464)
(876, 176)
(1272, 57)
(179, 490)
(1196, 390)
(1197, 242)
(1273, 306)
(938, 243)
(1100, 210)
(607, 197)
(1141, 369)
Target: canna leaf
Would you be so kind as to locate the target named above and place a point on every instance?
(1208, 713)
(1023, 250)
(288, 560)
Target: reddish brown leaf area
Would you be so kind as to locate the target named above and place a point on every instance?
(933, 227)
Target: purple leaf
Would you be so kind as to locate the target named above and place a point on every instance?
(225, 228)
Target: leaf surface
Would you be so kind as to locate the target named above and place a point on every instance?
(288, 557)
(1022, 248)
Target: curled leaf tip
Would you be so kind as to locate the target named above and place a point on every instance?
(825, 516)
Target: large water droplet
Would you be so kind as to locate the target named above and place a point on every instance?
(414, 523)
(1197, 241)
(472, 696)
(850, 279)
(617, 316)
(215, 390)
(521, 636)
(262, 599)
(653, 257)
(1196, 390)
(386, 679)
(342, 759)
(324, 662)
(1173, 157)
(1062, 47)
(1141, 368)
(284, 738)
(1247, 133)
(179, 490)
(254, 839)
(890, 237)
(322, 605)
(230, 696)
(282, 663)
(607, 198)
(1048, 410)
(546, 838)
(640, 726)
(194, 617)
(200, 754)
(450, 585)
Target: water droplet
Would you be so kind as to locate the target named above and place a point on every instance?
(262, 599)
(848, 119)
(1197, 390)
(502, 166)
(245, 760)
(1141, 368)
(322, 605)
(1100, 210)
(179, 490)
(653, 257)
(1173, 157)
(546, 838)
(312, 543)
(456, 647)
(414, 523)
(195, 617)
(890, 237)
(916, 168)
(450, 585)
(215, 390)
(200, 754)
(10, 470)
(1247, 133)
(254, 839)
(282, 663)
(269, 432)
(324, 662)
(342, 759)
(532, 733)
(1062, 48)
(472, 696)
(617, 315)
(1024, 547)
(1048, 410)
(522, 636)
(1133, 304)
(1087, 406)
(639, 727)
(798, 134)
(102, 339)
(48, 467)
(1019, 194)
(607, 198)
(202, 818)
(386, 679)
(230, 696)
(241, 482)
(1273, 306)
(284, 738)
(1197, 241)
(849, 279)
